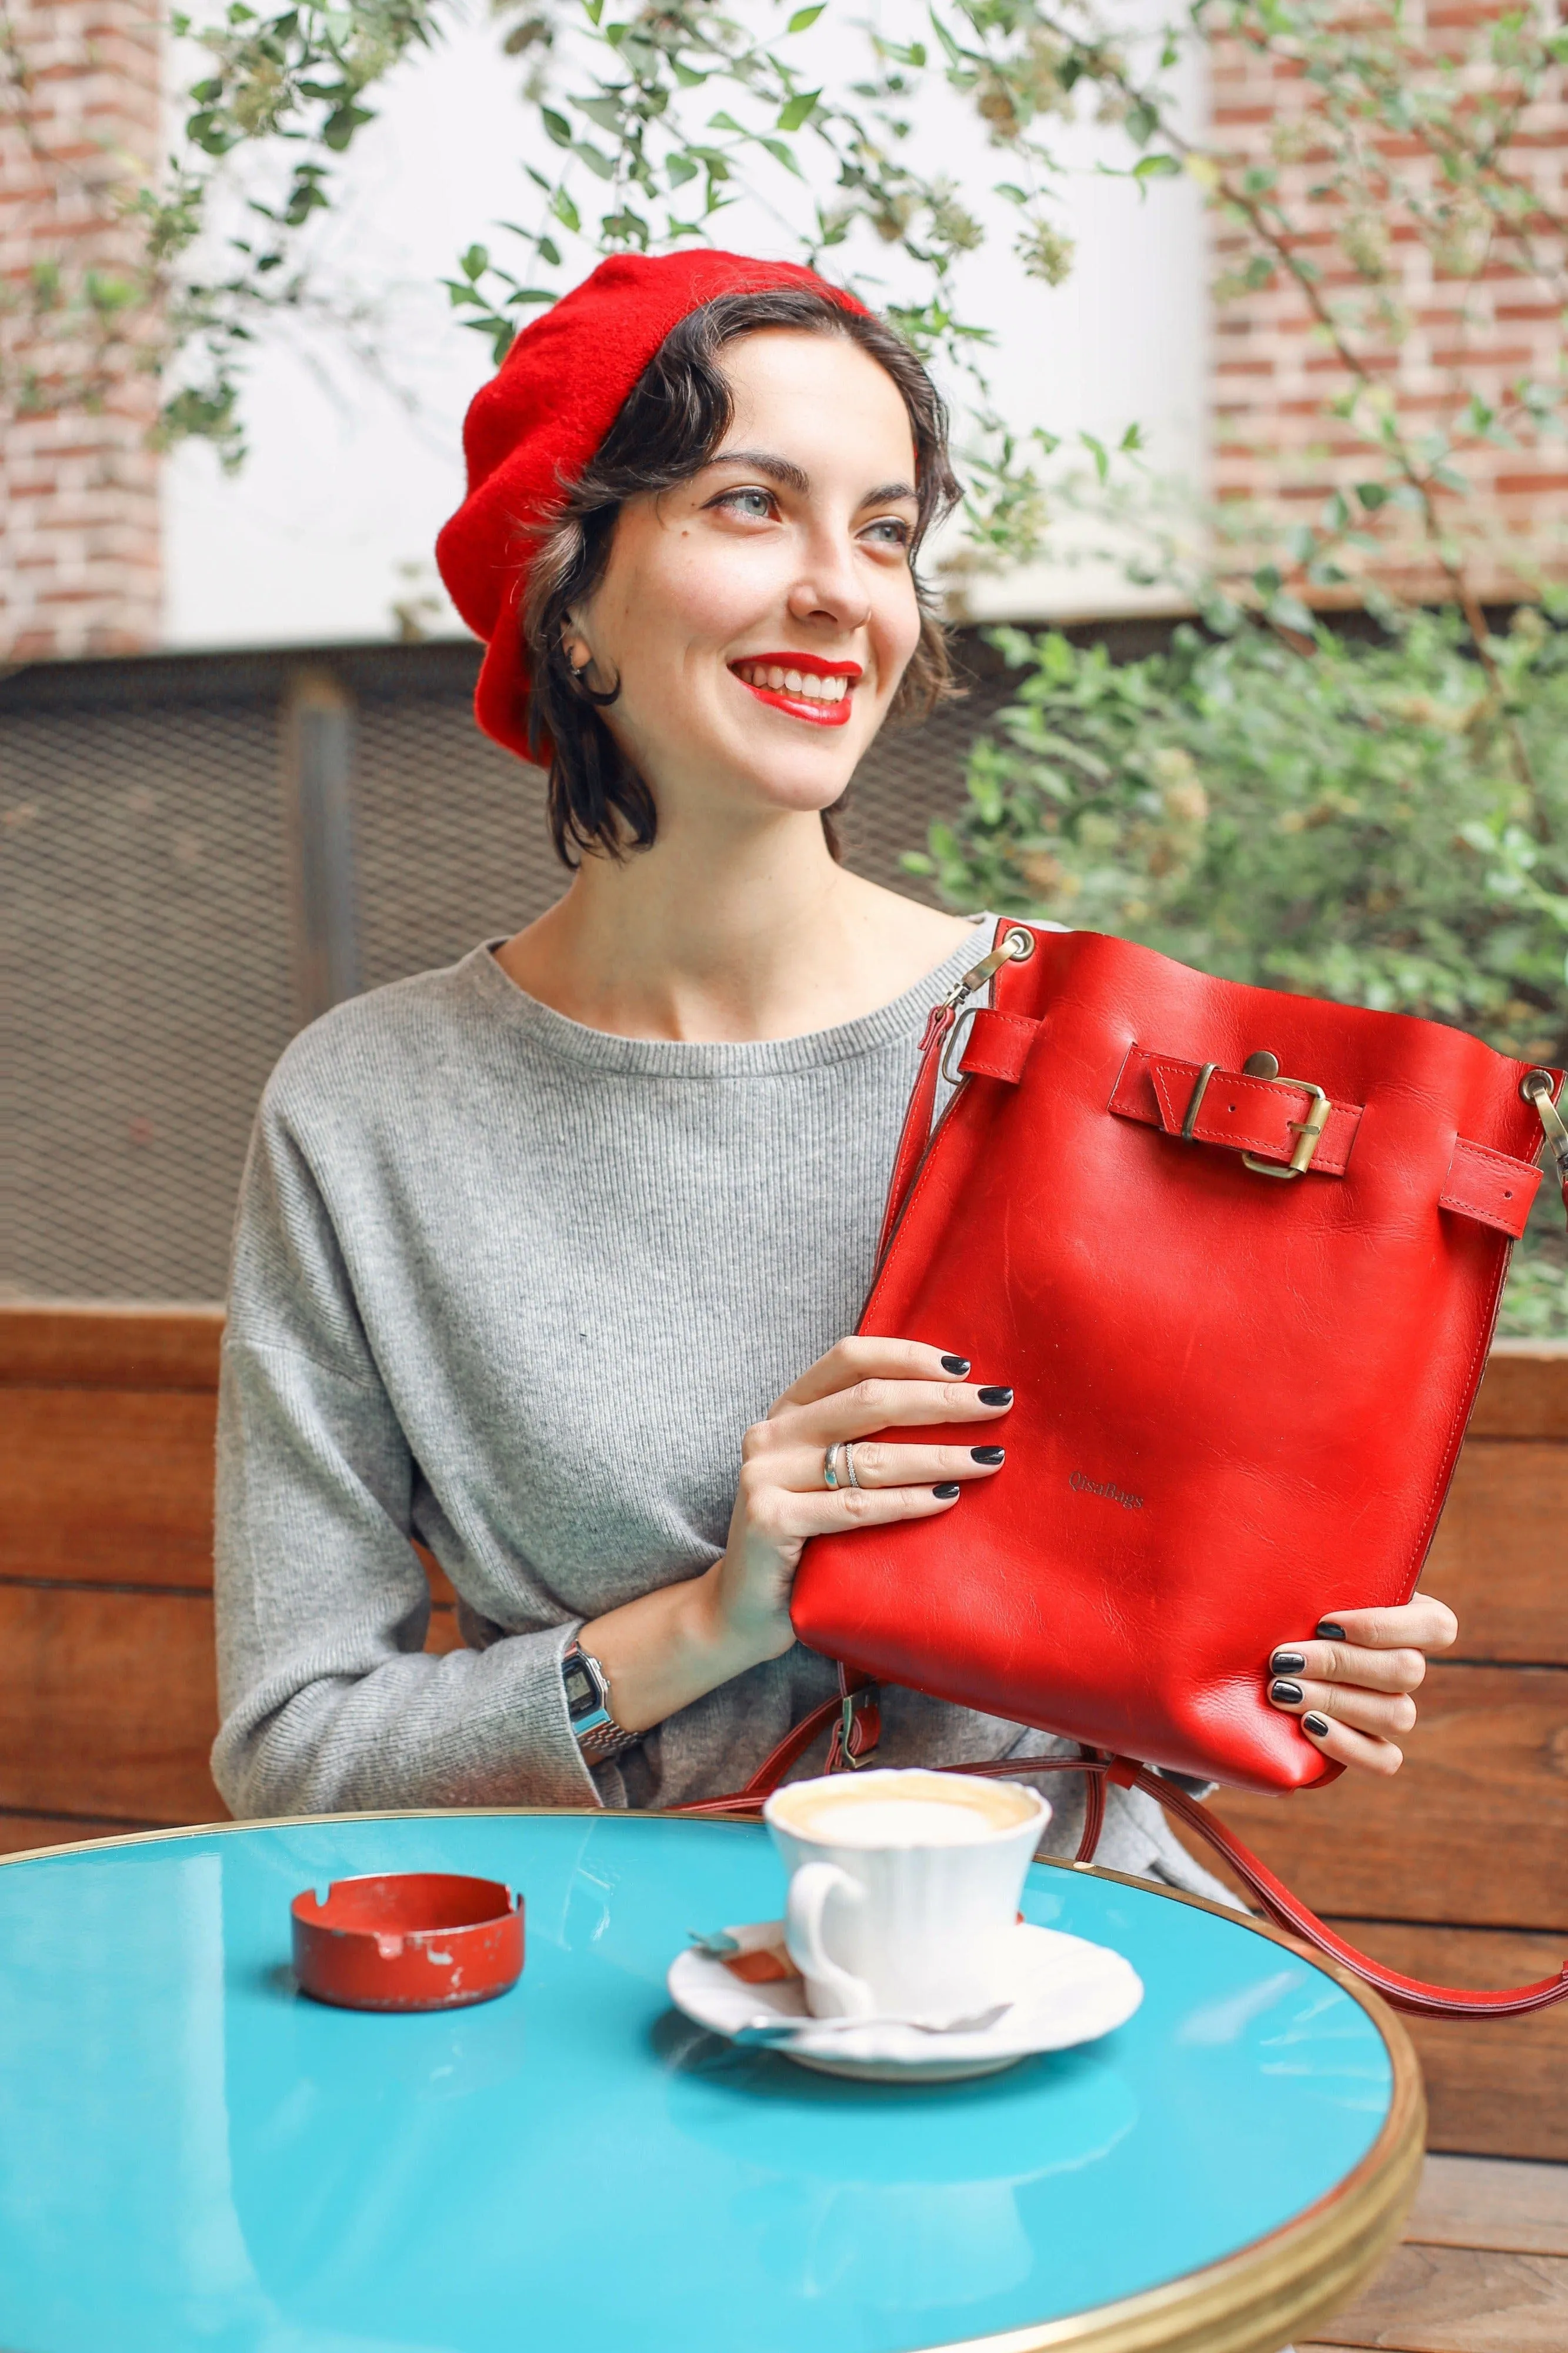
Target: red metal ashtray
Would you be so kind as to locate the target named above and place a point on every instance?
(408, 1940)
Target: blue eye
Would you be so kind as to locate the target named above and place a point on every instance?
(758, 505)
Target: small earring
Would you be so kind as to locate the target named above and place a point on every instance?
(577, 667)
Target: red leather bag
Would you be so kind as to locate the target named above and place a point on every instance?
(1239, 1254)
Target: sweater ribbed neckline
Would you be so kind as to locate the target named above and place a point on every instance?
(670, 1058)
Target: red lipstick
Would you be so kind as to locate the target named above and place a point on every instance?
(820, 705)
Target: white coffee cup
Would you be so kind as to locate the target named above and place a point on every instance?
(904, 1889)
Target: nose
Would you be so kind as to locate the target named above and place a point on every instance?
(830, 587)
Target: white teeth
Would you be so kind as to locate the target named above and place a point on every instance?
(807, 683)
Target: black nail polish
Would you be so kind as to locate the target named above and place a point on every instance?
(946, 1492)
(1330, 1630)
(956, 1366)
(1288, 1694)
(988, 1454)
(995, 1397)
(1316, 1724)
(1286, 1663)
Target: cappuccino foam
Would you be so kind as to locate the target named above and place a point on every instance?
(896, 1822)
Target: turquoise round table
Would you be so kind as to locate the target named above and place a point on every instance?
(194, 2155)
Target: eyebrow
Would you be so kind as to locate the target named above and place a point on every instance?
(761, 461)
(795, 478)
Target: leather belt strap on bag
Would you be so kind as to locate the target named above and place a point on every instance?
(1287, 1124)
(1274, 1124)
(1293, 1126)
(1280, 1121)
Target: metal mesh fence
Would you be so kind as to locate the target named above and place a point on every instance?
(450, 844)
(146, 967)
(150, 955)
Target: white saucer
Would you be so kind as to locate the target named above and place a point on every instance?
(1071, 1991)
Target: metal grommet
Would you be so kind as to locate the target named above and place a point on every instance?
(1536, 1088)
(1020, 943)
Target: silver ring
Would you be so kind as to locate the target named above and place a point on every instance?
(830, 1465)
(850, 1463)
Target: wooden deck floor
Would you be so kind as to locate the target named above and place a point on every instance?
(1483, 2267)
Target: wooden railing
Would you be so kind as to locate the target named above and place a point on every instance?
(106, 1440)
(1456, 1869)
(106, 1538)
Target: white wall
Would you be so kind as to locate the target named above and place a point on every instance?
(342, 485)
(345, 484)
(1124, 340)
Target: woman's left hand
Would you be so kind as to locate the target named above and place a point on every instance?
(1350, 1686)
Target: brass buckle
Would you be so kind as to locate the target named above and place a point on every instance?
(1308, 1133)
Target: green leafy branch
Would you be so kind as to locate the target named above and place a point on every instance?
(642, 125)
(649, 127)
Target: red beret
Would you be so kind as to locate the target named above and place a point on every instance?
(541, 418)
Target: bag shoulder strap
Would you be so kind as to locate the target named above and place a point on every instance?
(1014, 944)
(1288, 1911)
(914, 1137)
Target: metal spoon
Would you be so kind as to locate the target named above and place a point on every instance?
(761, 2033)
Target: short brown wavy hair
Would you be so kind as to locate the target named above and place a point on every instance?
(669, 428)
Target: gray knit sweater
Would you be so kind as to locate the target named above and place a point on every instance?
(515, 1288)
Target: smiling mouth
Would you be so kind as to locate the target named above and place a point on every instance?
(815, 692)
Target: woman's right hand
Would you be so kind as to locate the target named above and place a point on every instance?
(863, 1384)
(669, 1647)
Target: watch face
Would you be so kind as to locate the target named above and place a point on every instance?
(582, 1692)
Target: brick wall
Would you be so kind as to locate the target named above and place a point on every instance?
(1274, 374)
(79, 485)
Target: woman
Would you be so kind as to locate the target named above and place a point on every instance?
(547, 1259)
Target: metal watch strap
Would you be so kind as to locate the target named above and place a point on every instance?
(600, 1738)
(605, 1741)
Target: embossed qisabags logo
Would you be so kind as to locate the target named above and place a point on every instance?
(1088, 1486)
